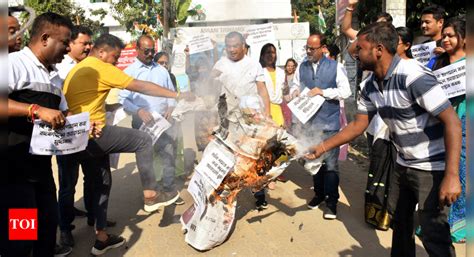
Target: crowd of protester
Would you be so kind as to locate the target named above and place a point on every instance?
(409, 122)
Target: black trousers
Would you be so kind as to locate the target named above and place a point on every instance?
(409, 187)
(28, 183)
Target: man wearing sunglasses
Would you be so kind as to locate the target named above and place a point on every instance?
(141, 107)
(328, 79)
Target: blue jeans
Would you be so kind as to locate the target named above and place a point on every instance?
(326, 181)
(165, 147)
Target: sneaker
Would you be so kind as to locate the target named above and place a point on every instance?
(282, 178)
(79, 213)
(180, 201)
(62, 250)
(66, 239)
(330, 213)
(160, 199)
(110, 223)
(261, 204)
(112, 241)
(315, 202)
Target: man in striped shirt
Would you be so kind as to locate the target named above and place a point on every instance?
(426, 132)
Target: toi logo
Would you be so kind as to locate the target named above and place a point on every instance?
(22, 224)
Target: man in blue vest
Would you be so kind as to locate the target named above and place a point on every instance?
(328, 79)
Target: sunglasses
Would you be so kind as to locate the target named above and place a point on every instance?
(148, 51)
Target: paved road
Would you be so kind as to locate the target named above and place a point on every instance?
(286, 228)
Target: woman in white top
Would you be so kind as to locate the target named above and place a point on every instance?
(274, 80)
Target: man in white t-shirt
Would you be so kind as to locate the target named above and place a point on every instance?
(239, 75)
(80, 44)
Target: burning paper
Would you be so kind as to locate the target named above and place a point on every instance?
(242, 154)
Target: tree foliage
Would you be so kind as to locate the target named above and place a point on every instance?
(69, 9)
(129, 13)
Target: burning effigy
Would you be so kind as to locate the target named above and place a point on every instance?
(242, 154)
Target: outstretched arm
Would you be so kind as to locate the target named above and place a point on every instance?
(351, 131)
(346, 24)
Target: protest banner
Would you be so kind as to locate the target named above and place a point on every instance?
(259, 34)
(304, 107)
(216, 162)
(452, 78)
(71, 138)
(423, 52)
(157, 127)
(200, 43)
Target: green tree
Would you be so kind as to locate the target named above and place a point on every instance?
(69, 9)
(129, 13)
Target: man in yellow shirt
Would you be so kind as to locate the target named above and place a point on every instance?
(86, 88)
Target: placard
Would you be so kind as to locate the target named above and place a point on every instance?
(453, 78)
(200, 43)
(157, 127)
(215, 164)
(71, 138)
(304, 107)
(423, 52)
(259, 34)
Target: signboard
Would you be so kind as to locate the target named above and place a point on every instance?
(258, 33)
(423, 52)
(453, 78)
(156, 128)
(71, 138)
(304, 107)
(127, 57)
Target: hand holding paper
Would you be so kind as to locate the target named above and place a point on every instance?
(315, 152)
(145, 116)
(315, 91)
(51, 116)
